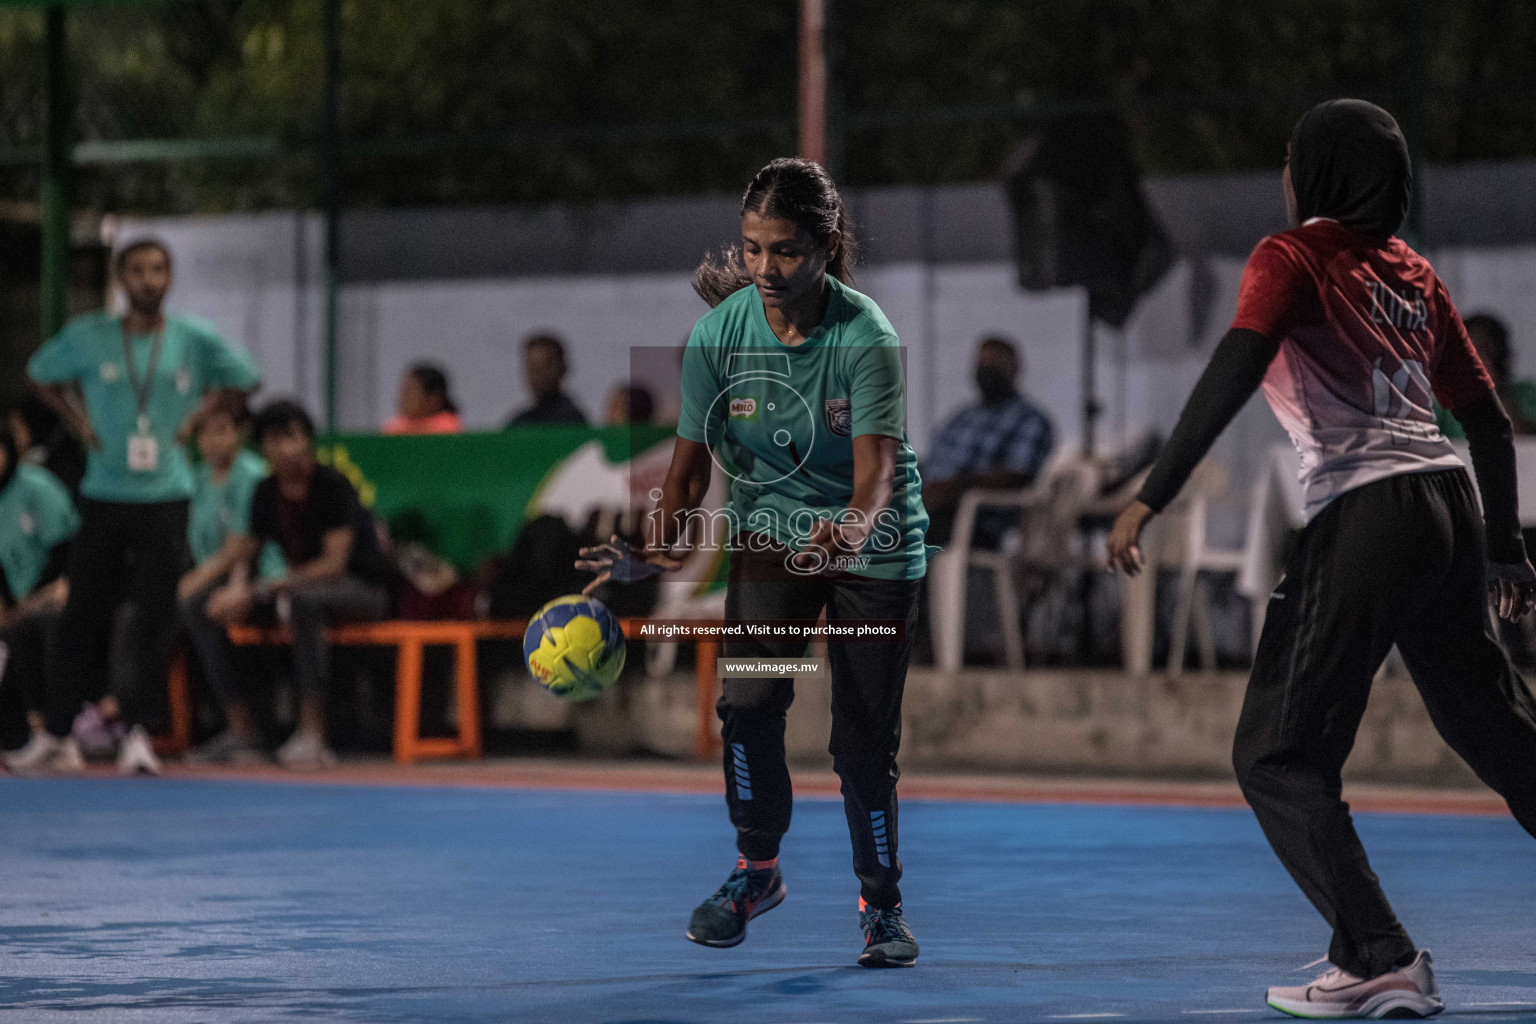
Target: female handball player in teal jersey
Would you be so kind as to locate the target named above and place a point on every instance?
(1353, 337)
(792, 386)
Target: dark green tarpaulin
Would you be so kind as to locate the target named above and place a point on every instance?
(465, 495)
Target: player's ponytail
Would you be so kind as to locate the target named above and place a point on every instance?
(792, 189)
(720, 276)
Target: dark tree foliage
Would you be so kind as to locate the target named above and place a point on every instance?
(495, 101)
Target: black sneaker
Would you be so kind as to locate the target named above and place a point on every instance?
(721, 920)
(888, 942)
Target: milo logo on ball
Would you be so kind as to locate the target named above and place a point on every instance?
(744, 408)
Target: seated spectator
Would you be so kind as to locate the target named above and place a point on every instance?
(629, 405)
(1518, 396)
(37, 520)
(44, 440)
(1003, 441)
(224, 483)
(338, 573)
(425, 405)
(544, 369)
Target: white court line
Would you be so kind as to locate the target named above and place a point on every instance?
(943, 1020)
(1523, 1006)
(1083, 1016)
(1242, 1009)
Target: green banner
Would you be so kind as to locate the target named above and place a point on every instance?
(464, 496)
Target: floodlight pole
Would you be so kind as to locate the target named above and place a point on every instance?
(813, 81)
(330, 176)
(821, 109)
(58, 102)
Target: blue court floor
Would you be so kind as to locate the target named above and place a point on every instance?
(207, 901)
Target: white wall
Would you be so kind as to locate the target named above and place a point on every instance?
(252, 277)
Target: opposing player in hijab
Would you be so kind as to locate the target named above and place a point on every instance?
(1351, 334)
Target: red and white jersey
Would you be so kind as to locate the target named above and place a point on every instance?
(1368, 335)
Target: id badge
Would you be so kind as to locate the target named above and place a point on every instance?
(143, 453)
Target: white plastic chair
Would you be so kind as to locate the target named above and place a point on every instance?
(1044, 539)
(1191, 605)
(1177, 540)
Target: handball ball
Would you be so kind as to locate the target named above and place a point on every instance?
(574, 647)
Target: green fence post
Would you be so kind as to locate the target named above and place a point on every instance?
(59, 105)
(330, 173)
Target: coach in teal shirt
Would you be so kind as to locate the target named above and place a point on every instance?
(192, 361)
(133, 387)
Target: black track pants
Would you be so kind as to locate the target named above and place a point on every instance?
(28, 639)
(867, 683)
(151, 540)
(1395, 561)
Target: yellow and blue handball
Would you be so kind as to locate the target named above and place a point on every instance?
(574, 647)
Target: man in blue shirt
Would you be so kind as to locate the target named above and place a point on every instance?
(133, 387)
(1001, 442)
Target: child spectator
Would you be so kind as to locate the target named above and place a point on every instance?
(338, 573)
(43, 440)
(37, 520)
(220, 515)
(425, 404)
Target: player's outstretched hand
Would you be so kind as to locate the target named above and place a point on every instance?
(617, 561)
(1514, 584)
(1124, 544)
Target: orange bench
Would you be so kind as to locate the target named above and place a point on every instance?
(411, 638)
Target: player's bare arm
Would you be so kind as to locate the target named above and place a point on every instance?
(874, 470)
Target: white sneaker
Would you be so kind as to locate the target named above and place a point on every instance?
(304, 753)
(136, 755)
(45, 754)
(1406, 992)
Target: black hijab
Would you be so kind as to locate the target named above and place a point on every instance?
(1349, 162)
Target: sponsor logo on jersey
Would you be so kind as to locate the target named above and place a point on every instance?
(25, 524)
(183, 381)
(839, 416)
(744, 408)
(109, 373)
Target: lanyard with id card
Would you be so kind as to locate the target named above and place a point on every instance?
(143, 448)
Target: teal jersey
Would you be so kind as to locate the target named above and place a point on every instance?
(1517, 396)
(219, 510)
(36, 514)
(194, 359)
(781, 420)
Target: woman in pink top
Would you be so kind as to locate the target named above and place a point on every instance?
(425, 405)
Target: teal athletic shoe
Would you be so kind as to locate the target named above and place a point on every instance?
(721, 920)
(888, 942)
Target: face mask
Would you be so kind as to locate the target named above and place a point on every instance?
(993, 383)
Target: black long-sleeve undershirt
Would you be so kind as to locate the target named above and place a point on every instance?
(1234, 373)
(1491, 438)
